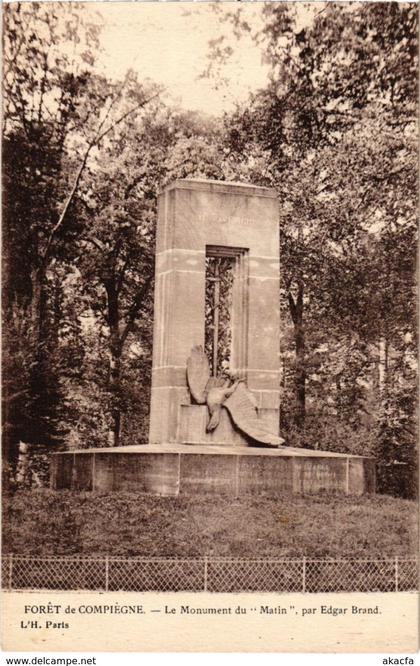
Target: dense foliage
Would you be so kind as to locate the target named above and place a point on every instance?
(334, 132)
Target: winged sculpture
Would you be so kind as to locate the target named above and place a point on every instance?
(216, 392)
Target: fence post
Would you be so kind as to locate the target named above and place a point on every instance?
(205, 573)
(396, 573)
(106, 573)
(10, 571)
(304, 574)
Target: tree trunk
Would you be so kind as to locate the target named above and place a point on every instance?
(300, 377)
(296, 311)
(118, 335)
(38, 305)
(383, 365)
(115, 365)
(114, 361)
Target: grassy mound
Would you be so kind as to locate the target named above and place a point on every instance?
(126, 524)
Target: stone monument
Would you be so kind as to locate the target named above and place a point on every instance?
(214, 417)
(202, 223)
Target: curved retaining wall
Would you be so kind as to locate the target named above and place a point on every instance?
(174, 470)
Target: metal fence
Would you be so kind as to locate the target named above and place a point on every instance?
(208, 574)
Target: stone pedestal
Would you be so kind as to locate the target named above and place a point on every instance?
(193, 420)
(233, 471)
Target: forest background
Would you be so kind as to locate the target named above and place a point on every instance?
(333, 130)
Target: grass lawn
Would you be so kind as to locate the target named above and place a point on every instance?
(65, 523)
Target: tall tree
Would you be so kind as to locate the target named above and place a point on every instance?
(334, 132)
(58, 115)
(41, 87)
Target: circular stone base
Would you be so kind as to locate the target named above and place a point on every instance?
(189, 469)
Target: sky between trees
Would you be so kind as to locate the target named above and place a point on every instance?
(168, 43)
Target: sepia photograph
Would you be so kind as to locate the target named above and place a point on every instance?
(209, 324)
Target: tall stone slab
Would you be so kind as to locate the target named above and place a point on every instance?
(221, 219)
